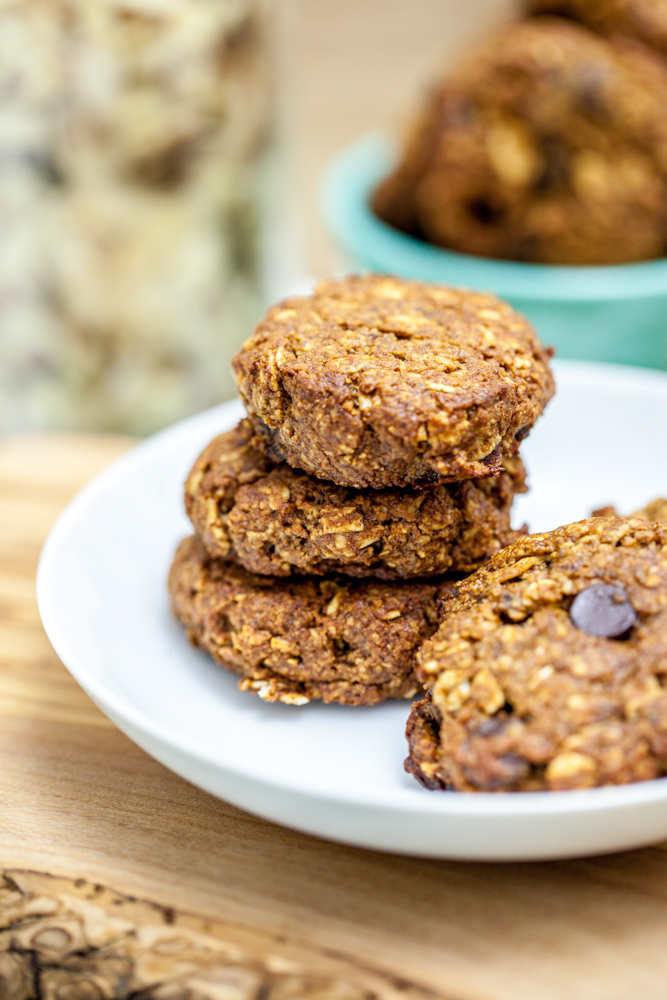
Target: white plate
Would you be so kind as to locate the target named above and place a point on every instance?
(332, 770)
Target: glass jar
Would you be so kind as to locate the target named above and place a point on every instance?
(136, 165)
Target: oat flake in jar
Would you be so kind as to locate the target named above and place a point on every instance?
(136, 159)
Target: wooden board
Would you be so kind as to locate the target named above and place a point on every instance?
(79, 800)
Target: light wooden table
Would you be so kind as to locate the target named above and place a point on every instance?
(287, 915)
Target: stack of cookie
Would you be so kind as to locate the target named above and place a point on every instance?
(378, 462)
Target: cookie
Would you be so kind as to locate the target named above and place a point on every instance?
(376, 381)
(304, 638)
(642, 19)
(548, 145)
(549, 669)
(276, 520)
(655, 510)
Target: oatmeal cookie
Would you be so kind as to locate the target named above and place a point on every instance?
(549, 670)
(304, 638)
(642, 19)
(376, 381)
(549, 145)
(276, 520)
(655, 510)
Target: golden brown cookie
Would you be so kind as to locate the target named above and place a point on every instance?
(304, 638)
(376, 381)
(549, 144)
(549, 669)
(655, 510)
(642, 19)
(276, 520)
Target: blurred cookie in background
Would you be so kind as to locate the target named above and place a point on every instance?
(547, 144)
(655, 510)
(645, 20)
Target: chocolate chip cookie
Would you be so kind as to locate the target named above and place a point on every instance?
(549, 670)
(549, 145)
(376, 381)
(276, 520)
(294, 640)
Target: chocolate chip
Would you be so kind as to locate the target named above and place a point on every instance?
(428, 479)
(557, 167)
(603, 609)
(485, 212)
(494, 774)
(593, 86)
(275, 451)
(490, 727)
(493, 459)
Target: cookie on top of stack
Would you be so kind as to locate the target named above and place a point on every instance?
(378, 462)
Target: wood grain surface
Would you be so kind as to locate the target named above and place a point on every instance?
(80, 801)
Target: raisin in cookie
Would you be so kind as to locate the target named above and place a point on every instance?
(376, 381)
(277, 520)
(549, 669)
(294, 640)
(549, 145)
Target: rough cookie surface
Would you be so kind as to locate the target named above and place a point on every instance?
(642, 19)
(293, 640)
(522, 698)
(655, 510)
(375, 381)
(549, 144)
(277, 520)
